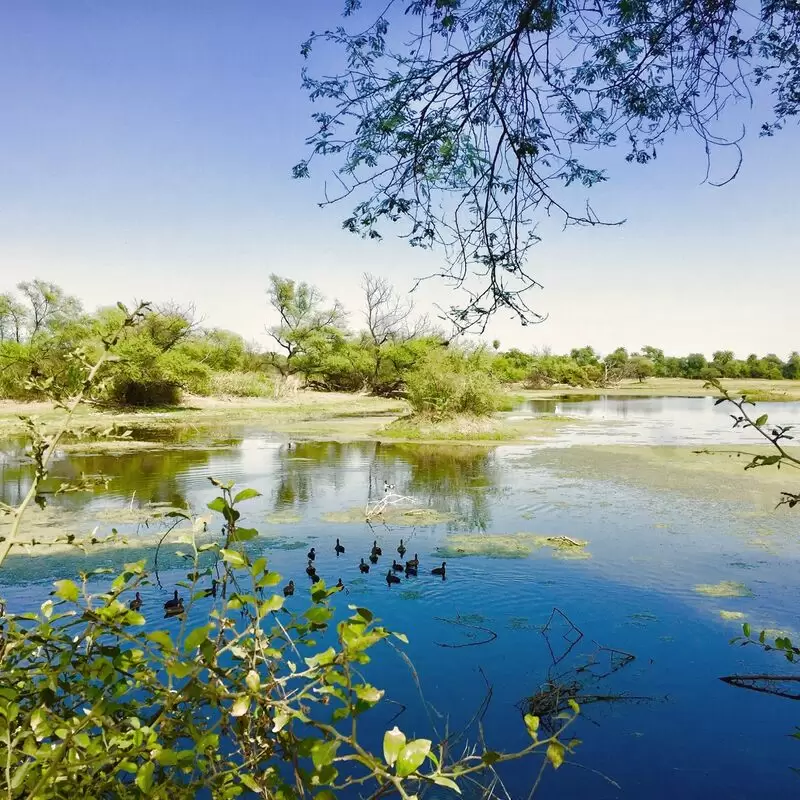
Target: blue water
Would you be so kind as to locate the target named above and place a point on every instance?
(678, 732)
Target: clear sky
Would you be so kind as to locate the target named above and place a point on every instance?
(146, 149)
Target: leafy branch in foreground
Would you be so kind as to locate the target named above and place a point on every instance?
(467, 123)
(243, 702)
(777, 435)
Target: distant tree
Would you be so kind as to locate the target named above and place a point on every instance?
(48, 303)
(467, 122)
(584, 356)
(657, 357)
(641, 367)
(616, 364)
(13, 318)
(695, 364)
(791, 369)
(496, 344)
(303, 318)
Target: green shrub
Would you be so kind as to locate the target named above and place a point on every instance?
(448, 383)
(241, 384)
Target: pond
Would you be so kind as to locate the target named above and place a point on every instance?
(658, 725)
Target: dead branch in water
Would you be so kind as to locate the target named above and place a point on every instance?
(458, 621)
(766, 684)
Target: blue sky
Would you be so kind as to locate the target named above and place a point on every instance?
(146, 149)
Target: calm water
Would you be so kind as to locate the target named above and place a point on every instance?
(610, 419)
(674, 730)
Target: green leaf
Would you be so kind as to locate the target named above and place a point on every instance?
(246, 494)
(393, 742)
(367, 693)
(272, 604)
(280, 721)
(412, 756)
(218, 504)
(253, 681)
(240, 706)
(197, 637)
(574, 706)
(746, 629)
(555, 754)
(440, 780)
(325, 794)
(244, 534)
(762, 420)
(322, 659)
(233, 557)
(402, 637)
(161, 638)
(490, 757)
(67, 590)
(323, 753)
(144, 776)
(532, 724)
(259, 565)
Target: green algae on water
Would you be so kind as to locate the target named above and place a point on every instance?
(285, 517)
(731, 615)
(516, 545)
(723, 589)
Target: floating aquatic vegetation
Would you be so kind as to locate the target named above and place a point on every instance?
(641, 618)
(730, 615)
(515, 545)
(140, 515)
(390, 516)
(410, 594)
(287, 544)
(723, 589)
(284, 517)
(521, 624)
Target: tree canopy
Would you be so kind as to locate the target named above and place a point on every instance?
(465, 123)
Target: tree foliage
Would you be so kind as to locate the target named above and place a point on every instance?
(468, 122)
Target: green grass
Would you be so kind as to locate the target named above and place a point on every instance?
(457, 429)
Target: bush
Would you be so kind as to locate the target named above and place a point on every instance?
(241, 384)
(147, 377)
(446, 384)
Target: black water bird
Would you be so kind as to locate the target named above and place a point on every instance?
(401, 549)
(397, 567)
(363, 567)
(391, 578)
(174, 603)
(439, 570)
(340, 585)
(376, 551)
(288, 590)
(312, 553)
(339, 548)
(311, 569)
(136, 603)
(315, 578)
(212, 592)
(414, 562)
(373, 558)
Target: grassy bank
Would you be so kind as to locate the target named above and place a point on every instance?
(756, 390)
(302, 409)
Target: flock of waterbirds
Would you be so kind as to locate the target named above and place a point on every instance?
(410, 567)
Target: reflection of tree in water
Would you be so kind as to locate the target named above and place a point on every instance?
(303, 463)
(457, 479)
(155, 476)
